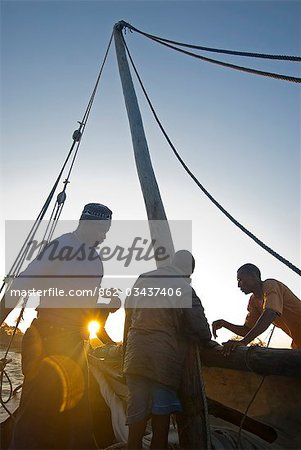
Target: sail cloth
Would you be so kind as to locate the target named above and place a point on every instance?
(114, 402)
(224, 438)
(112, 387)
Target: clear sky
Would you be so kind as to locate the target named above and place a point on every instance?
(239, 133)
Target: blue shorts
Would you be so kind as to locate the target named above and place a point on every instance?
(147, 398)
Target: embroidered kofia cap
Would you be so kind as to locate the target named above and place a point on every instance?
(96, 211)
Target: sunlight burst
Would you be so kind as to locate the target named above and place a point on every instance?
(93, 328)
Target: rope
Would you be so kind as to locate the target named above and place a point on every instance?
(254, 395)
(3, 372)
(40, 216)
(204, 399)
(57, 210)
(16, 326)
(216, 50)
(229, 65)
(234, 66)
(3, 402)
(12, 391)
(203, 189)
(77, 135)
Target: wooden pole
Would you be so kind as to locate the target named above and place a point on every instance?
(193, 430)
(260, 360)
(158, 224)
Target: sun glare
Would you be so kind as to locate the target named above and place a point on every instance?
(93, 328)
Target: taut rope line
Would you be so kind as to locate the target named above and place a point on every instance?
(204, 190)
(16, 267)
(216, 50)
(224, 64)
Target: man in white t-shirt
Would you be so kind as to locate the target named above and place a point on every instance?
(54, 411)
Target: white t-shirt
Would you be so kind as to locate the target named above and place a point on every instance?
(67, 273)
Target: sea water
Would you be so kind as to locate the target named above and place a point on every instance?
(14, 372)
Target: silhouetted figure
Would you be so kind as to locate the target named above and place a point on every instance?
(158, 331)
(54, 412)
(271, 302)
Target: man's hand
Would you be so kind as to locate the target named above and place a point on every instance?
(230, 345)
(216, 325)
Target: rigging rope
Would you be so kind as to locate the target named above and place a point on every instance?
(231, 66)
(16, 266)
(57, 210)
(204, 399)
(204, 190)
(255, 393)
(3, 372)
(215, 50)
(77, 135)
(234, 66)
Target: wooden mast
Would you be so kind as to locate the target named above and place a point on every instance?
(193, 431)
(158, 224)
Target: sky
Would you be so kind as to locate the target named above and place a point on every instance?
(239, 133)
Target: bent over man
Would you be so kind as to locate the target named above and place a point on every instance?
(158, 329)
(271, 302)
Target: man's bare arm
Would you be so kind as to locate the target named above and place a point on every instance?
(260, 326)
(241, 330)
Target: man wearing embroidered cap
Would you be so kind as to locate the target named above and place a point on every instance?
(94, 223)
(96, 211)
(54, 410)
